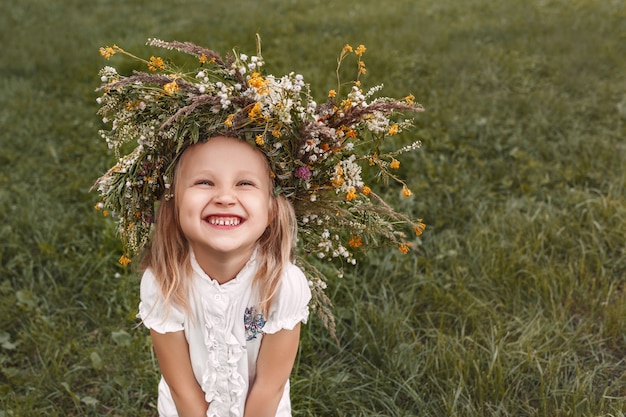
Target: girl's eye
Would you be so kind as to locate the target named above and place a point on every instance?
(205, 182)
(245, 183)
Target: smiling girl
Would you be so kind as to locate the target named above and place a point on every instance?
(237, 238)
(228, 164)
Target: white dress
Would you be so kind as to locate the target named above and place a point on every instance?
(226, 333)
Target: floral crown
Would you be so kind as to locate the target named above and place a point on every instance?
(316, 152)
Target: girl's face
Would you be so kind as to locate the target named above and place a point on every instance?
(223, 194)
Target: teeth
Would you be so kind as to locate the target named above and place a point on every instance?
(224, 221)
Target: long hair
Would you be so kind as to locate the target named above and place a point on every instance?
(168, 254)
(277, 249)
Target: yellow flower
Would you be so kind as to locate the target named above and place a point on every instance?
(405, 247)
(332, 93)
(357, 83)
(366, 190)
(338, 179)
(410, 99)
(124, 260)
(360, 50)
(393, 130)
(351, 194)
(351, 133)
(419, 227)
(347, 48)
(108, 51)
(229, 120)
(355, 242)
(171, 88)
(276, 132)
(395, 164)
(204, 59)
(406, 192)
(255, 112)
(257, 81)
(362, 69)
(155, 63)
(259, 140)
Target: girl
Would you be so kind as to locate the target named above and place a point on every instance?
(235, 160)
(221, 299)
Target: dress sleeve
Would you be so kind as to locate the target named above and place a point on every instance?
(152, 309)
(291, 304)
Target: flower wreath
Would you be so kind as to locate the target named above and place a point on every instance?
(316, 152)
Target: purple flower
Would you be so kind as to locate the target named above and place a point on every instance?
(304, 173)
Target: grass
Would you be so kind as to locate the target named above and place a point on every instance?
(514, 302)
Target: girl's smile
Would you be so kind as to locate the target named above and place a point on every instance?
(224, 221)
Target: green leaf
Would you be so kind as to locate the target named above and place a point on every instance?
(89, 401)
(96, 361)
(122, 338)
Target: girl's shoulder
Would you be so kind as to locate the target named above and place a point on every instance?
(154, 312)
(294, 278)
(294, 288)
(290, 306)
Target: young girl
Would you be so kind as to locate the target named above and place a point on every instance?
(234, 163)
(221, 251)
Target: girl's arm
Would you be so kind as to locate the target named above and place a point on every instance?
(172, 352)
(276, 357)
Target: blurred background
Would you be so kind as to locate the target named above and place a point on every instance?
(511, 304)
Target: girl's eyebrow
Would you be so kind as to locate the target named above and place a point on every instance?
(245, 173)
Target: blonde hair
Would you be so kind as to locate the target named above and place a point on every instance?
(168, 253)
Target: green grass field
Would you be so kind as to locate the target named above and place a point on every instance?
(513, 303)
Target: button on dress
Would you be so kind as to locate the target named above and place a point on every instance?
(224, 332)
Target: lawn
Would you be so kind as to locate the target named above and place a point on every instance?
(513, 302)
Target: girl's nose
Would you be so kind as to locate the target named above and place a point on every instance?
(225, 196)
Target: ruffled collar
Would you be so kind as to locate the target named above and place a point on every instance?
(243, 276)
